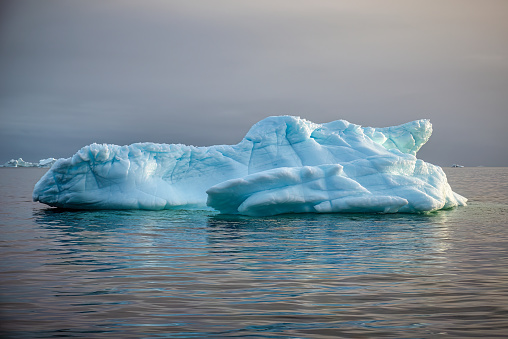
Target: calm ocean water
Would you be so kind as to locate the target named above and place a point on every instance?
(196, 274)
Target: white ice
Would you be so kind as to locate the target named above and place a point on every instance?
(284, 164)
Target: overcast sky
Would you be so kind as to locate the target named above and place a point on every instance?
(202, 72)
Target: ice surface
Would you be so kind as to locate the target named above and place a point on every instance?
(284, 164)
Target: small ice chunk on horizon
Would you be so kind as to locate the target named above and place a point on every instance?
(43, 163)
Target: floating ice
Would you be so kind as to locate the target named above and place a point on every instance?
(43, 163)
(46, 162)
(284, 165)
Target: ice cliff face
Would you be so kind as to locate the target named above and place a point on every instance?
(284, 165)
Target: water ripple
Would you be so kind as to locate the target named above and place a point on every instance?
(195, 274)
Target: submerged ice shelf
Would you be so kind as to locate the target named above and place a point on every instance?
(284, 164)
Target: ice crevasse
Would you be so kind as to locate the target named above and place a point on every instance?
(284, 164)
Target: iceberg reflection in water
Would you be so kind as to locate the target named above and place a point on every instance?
(199, 274)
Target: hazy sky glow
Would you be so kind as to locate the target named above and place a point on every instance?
(202, 72)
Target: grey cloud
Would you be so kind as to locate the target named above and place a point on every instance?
(201, 72)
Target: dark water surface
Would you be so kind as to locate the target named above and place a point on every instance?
(196, 274)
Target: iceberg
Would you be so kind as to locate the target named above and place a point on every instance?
(46, 163)
(19, 163)
(43, 163)
(284, 164)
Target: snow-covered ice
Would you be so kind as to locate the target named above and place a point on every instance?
(284, 164)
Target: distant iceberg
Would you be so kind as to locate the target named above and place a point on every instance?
(43, 163)
(284, 164)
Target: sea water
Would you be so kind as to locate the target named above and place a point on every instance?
(198, 274)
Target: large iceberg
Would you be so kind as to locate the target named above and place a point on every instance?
(284, 164)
